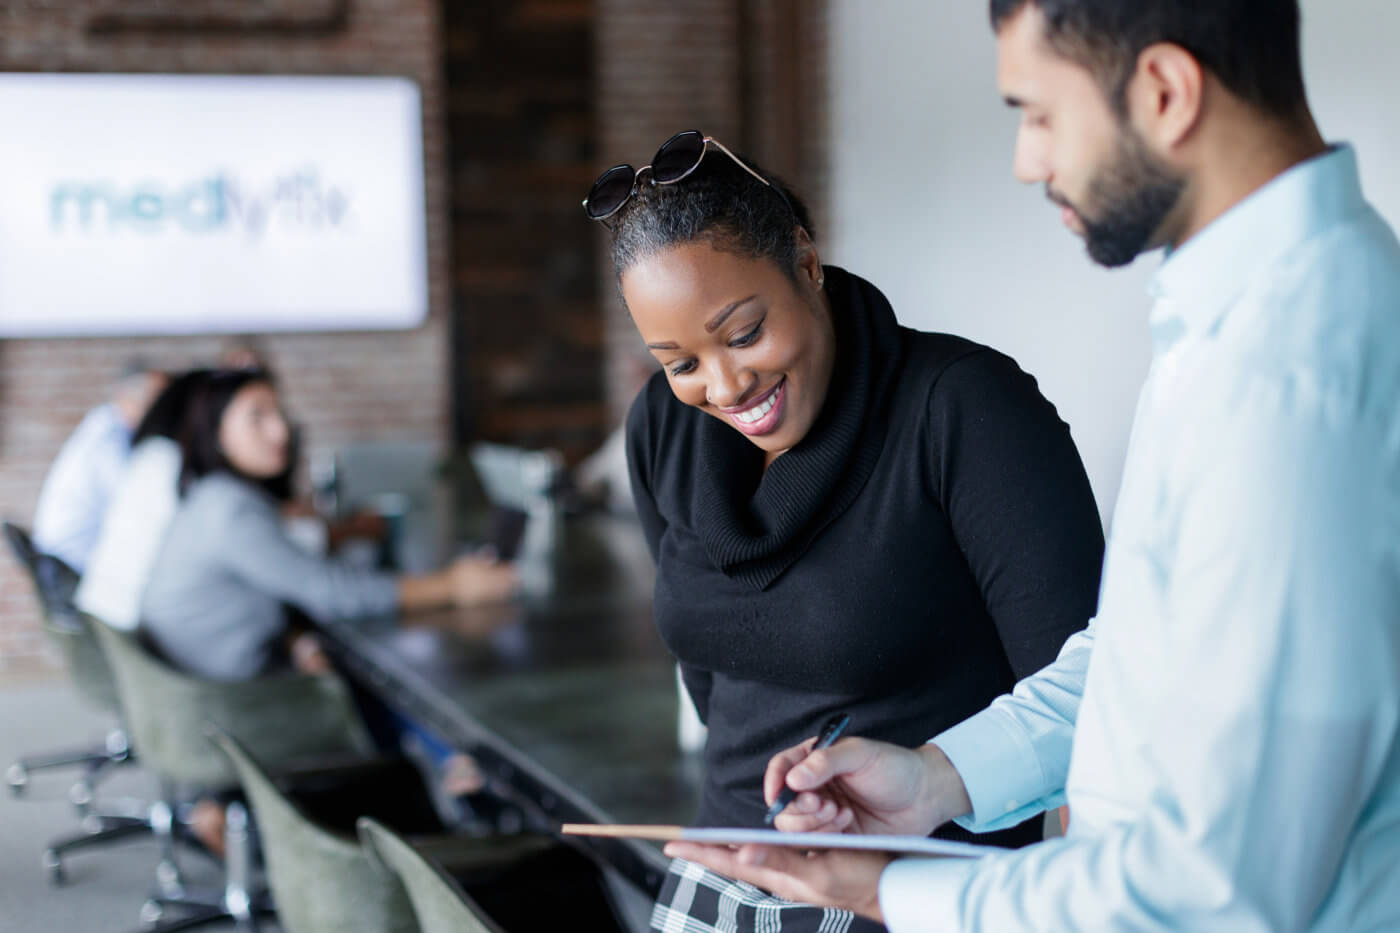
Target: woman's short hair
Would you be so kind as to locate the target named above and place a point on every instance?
(720, 204)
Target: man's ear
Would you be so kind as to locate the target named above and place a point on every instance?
(1166, 95)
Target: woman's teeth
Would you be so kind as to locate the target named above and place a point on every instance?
(751, 415)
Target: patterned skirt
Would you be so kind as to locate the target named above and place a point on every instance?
(697, 900)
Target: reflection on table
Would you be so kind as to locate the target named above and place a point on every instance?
(567, 697)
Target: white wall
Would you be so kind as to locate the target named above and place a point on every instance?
(924, 205)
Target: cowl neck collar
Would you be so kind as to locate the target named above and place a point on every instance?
(754, 524)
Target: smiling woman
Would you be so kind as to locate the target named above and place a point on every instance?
(759, 362)
(846, 515)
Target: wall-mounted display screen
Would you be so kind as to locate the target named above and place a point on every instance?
(175, 204)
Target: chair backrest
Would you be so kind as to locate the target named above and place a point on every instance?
(286, 719)
(54, 583)
(439, 902)
(76, 639)
(53, 580)
(319, 880)
(21, 544)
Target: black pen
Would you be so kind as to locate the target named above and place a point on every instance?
(830, 733)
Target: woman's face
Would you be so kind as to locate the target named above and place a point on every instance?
(738, 338)
(253, 434)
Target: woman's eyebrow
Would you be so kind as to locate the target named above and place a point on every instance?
(714, 324)
(718, 320)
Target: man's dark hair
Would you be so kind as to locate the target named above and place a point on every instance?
(1252, 46)
(720, 204)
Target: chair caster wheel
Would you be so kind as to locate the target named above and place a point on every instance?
(151, 912)
(17, 776)
(53, 868)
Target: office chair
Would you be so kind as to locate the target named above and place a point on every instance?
(285, 719)
(439, 903)
(72, 635)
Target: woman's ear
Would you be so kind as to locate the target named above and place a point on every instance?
(809, 261)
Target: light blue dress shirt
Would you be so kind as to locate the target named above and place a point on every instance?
(1228, 729)
(74, 497)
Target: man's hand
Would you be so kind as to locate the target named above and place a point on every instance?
(834, 878)
(863, 786)
(856, 785)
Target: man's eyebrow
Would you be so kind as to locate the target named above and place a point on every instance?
(1013, 101)
(715, 322)
(663, 346)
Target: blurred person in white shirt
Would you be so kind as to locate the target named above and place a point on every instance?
(140, 510)
(78, 488)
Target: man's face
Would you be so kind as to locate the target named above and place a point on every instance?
(1111, 188)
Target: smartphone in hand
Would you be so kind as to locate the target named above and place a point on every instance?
(507, 530)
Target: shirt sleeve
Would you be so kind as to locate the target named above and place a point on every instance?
(1010, 479)
(109, 461)
(260, 552)
(639, 461)
(698, 683)
(1284, 676)
(1013, 756)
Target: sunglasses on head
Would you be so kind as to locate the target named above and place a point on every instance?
(678, 158)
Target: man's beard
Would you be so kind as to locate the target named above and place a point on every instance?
(1133, 196)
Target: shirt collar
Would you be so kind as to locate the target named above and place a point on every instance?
(1199, 281)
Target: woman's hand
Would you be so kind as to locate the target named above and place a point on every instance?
(461, 776)
(480, 578)
(308, 655)
(862, 786)
(834, 878)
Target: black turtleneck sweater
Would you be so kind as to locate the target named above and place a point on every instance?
(932, 540)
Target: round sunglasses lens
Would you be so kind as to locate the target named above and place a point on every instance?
(678, 157)
(610, 191)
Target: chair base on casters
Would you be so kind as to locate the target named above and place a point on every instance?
(198, 907)
(107, 829)
(96, 827)
(93, 759)
(236, 901)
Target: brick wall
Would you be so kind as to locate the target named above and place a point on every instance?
(751, 73)
(526, 334)
(341, 386)
(522, 150)
(544, 94)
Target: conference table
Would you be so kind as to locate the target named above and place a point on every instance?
(567, 697)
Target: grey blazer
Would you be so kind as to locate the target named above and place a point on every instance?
(215, 604)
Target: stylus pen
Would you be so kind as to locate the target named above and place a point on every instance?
(830, 733)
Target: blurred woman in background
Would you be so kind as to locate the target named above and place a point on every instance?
(216, 604)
